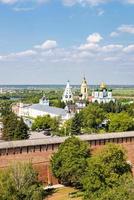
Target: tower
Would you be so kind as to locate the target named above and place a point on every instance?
(84, 89)
(67, 95)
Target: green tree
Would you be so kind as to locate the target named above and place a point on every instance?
(107, 171)
(65, 129)
(69, 163)
(76, 124)
(46, 122)
(93, 116)
(14, 128)
(21, 130)
(20, 182)
(57, 103)
(120, 122)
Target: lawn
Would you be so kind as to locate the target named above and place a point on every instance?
(63, 194)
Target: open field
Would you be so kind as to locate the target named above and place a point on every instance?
(63, 194)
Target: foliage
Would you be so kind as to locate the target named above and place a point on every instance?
(5, 108)
(120, 122)
(65, 129)
(107, 173)
(76, 124)
(21, 184)
(68, 164)
(112, 107)
(93, 116)
(45, 123)
(57, 103)
(14, 128)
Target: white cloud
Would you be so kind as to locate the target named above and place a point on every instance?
(125, 28)
(129, 49)
(94, 38)
(114, 34)
(112, 48)
(129, 1)
(8, 1)
(21, 1)
(111, 59)
(84, 2)
(22, 54)
(100, 12)
(89, 46)
(23, 9)
(48, 44)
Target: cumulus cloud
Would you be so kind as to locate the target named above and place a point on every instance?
(114, 34)
(126, 28)
(112, 48)
(129, 49)
(48, 44)
(94, 38)
(89, 46)
(22, 54)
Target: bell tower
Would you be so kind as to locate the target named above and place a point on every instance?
(84, 89)
(67, 95)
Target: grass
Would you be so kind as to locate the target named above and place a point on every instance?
(63, 194)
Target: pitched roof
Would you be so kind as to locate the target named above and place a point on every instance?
(48, 109)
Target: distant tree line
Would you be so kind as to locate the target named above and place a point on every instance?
(100, 118)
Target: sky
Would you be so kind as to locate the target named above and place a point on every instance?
(52, 41)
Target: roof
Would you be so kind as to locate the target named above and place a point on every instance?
(49, 109)
(59, 140)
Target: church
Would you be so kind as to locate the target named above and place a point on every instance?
(102, 94)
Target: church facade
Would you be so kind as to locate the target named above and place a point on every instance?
(67, 95)
(102, 94)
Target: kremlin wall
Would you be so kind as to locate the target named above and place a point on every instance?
(39, 151)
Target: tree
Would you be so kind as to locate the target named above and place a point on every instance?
(14, 128)
(107, 171)
(65, 129)
(21, 131)
(46, 122)
(57, 103)
(120, 122)
(69, 163)
(20, 182)
(93, 116)
(76, 125)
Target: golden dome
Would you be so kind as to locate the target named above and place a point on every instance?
(102, 85)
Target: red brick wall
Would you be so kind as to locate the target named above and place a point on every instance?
(41, 161)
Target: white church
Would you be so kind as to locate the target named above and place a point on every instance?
(102, 94)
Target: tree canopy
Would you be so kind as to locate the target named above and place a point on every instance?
(14, 128)
(20, 182)
(93, 116)
(46, 122)
(120, 122)
(68, 164)
(107, 175)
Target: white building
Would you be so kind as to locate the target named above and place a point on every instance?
(67, 95)
(40, 109)
(102, 95)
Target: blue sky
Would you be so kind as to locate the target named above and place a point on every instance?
(51, 41)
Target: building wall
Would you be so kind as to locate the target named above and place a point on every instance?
(40, 155)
